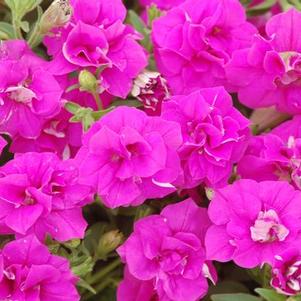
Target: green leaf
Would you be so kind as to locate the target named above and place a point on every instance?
(263, 6)
(261, 275)
(6, 31)
(24, 26)
(294, 298)
(136, 21)
(34, 38)
(128, 102)
(82, 265)
(82, 283)
(143, 211)
(140, 26)
(269, 294)
(21, 7)
(234, 297)
(98, 114)
(72, 244)
(93, 235)
(72, 107)
(295, 3)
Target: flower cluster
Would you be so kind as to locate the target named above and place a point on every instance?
(151, 126)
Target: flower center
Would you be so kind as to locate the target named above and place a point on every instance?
(172, 262)
(292, 75)
(196, 133)
(294, 276)
(267, 228)
(20, 94)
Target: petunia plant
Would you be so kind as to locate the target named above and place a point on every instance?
(150, 150)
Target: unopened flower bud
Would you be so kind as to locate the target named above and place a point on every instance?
(87, 81)
(57, 14)
(151, 89)
(109, 242)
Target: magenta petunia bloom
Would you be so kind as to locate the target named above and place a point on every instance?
(99, 12)
(40, 194)
(286, 271)
(29, 272)
(96, 38)
(29, 94)
(129, 157)
(274, 156)
(169, 252)
(214, 135)
(268, 73)
(194, 41)
(253, 222)
(58, 135)
(133, 289)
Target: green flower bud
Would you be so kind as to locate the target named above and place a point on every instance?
(108, 243)
(209, 193)
(87, 81)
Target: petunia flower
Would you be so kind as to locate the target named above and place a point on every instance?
(194, 41)
(96, 38)
(286, 271)
(268, 72)
(29, 93)
(169, 252)
(215, 135)
(129, 157)
(40, 194)
(29, 272)
(253, 222)
(275, 155)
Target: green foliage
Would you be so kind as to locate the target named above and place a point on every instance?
(234, 297)
(153, 13)
(19, 8)
(270, 294)
(262, 275)
(287, 4)
(84, 115)
(6, 31)
(141, 27)
(261, 7)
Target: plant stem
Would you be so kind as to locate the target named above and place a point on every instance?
(35, 36)
(105, 283)
(17, 29)
(103, 272)
(98, 101)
